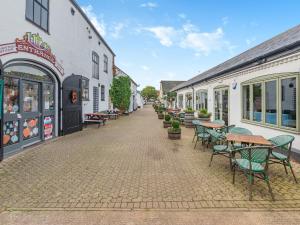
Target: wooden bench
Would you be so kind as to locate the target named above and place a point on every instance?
(94, 118)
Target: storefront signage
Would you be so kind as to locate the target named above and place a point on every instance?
(32, 44)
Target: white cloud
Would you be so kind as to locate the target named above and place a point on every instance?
(225, 20)
(96, 21)
(117, 28)
(182, 15)
(146, 68)
(250, 41)
(149, 5)
(164, 34)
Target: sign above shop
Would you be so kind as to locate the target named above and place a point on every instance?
(32, 44)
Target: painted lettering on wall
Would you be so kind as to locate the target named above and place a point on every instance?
(32, 44)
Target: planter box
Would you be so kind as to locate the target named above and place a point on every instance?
(167, 124)
(188, 118)
(204, 119)
(160, 116)
(174, 136)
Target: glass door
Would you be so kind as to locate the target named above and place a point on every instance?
(221, 108)
(31, 107)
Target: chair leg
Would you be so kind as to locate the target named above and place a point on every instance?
(285, 168)
(266, 178)
(194, 138)
(211, 158)
(293, 173)
(196, 143)
(233, 174)
(250, 186)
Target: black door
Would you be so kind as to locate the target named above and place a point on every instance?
(72, 107)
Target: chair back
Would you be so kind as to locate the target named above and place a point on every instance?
(240, 130)
(215, 135)
(196, 122)
(200, 129)
(258, 154)
(227, 129)
(221, 122)
(283, 142)
(181, 115)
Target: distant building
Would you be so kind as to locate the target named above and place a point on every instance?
(134, 93)
(165, 87)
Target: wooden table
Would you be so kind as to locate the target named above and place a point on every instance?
(212, 125)
(250, 139)
(95, 118)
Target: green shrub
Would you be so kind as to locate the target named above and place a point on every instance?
(167, 117)
(203, 113)
(189, 110)
(175, 124)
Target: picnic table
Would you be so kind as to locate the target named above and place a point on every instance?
(248, 139)
(99, 118)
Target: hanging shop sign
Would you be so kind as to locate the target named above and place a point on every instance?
(74, 96)
(32, 44)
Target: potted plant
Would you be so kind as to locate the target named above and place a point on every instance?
(189, 117)
(204, 115)
(167, 121)
(174, 132)
(160, 114)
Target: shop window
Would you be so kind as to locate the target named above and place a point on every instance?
(31, 97)
(95, 62)
(201, 99)
(273, 101)
(11, 95)
(257, 102)
(30, 128)
(37, 11)
(105, 63)
(102, 93)
(10, 132)
(85, 89)
(288, 102)
(49, 97)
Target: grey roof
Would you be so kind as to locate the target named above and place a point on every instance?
(91, 25)
(167, 85)
(283, 42)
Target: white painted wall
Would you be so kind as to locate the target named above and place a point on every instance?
(68, 38)
(283, 65)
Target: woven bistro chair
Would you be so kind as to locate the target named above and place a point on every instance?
(181, 117)
(254, 163)
(219, 148)
(283, 143)
(239, 130)
(202, 135)
(195, 123)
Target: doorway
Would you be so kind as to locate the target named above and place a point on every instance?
(221, 106)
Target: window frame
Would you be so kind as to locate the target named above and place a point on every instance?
(41, 7)
(180, 101)
(105, 65)
(95, 65)
(198, 101)
(86, 87)
(263, 80)
(102, 93)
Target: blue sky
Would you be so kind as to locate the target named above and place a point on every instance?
(177, 39)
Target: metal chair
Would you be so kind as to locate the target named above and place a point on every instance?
(283, 143)
(195, 123)
(239, 130)
(254, 163)
(201, 135)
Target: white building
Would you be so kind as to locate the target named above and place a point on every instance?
(258, 89)
(165, 88)
(55, 66)
(139, 100)
(133, 86)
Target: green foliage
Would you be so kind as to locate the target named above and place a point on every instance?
(189, 110)
(120, 92)
(175, 124)
(203, 113)
(171, 96)
(167, 117)
(149, 92)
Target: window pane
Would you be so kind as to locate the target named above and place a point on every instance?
(217, 105)
(30, 128)
(271, 102)
(44, 23)
(257, 102)
(10, 133)
(31, 97)
(11, 95)
(45, 3)
(288, 102)
(203, 100)
(246, 102)
(102, 93)
(49, 97)
(29, 9)
(37, 13)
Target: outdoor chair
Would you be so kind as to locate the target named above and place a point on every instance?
(202, 135)
(283, 143)
(226, 129)
(239, 130)
(195, 123)
(219, 148)
(254, 163)
(181, 117)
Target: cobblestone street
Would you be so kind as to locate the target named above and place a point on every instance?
(131, 164)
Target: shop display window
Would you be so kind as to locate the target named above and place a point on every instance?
(11, 95)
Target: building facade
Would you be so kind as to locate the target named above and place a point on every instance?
(133, 86)
(165, 87)
(258, 89)
(55, 67)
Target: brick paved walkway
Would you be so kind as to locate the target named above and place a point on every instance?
(130, 164)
